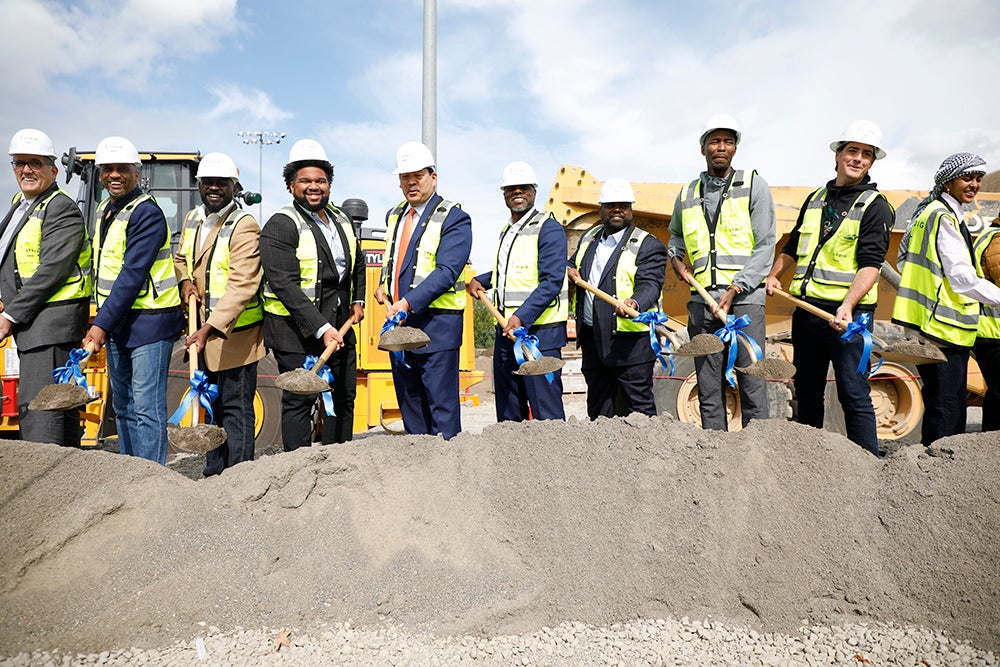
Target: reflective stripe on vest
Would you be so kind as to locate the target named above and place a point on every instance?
(28, 247)
(925, 300)
(624, 272)
(453, 298)
(718, 255)
(160, 289)
(520, 276)
(826, 271)
(989, 316)
(308, 255)
(217, 267)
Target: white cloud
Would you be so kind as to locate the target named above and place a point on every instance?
(253, 105)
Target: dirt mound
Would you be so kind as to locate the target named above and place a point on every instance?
(524, 526)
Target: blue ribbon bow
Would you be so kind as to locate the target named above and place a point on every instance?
(206, 393)
(859, 327)
(730, 335)
(71, 369)
(325, 375)
(390, 324)
(663, 354)
(526, 340)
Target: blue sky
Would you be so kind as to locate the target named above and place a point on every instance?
(621, 88)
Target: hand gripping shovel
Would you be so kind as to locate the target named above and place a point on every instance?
(534, 365)
(904, 353)
(197, 438)
(397, 338)
(307, 380)
(766, 369)
(700, 346)
(70, 389)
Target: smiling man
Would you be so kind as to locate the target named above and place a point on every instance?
(630, 264)
(722, 236)
(218, 263)
(314, 281)
(837, 248)
(138, 307)
(45, 282)
(428, 241)
(529, 289)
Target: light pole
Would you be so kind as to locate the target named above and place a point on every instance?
(261, 139)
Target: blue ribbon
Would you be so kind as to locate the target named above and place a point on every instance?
(390, 324)
(663, 354)
(206, 393)
(523, 338)
(325, 375)
(71, 369)
(859, 327)
(730, 335)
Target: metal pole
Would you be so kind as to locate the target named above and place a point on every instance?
(261, 137)
(260, 184)
(430, 76)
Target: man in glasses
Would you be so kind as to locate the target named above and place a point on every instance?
(44, 282)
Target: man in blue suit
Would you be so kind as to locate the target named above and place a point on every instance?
(530, 290)
(428, 244)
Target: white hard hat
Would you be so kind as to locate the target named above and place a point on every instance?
(117, 150)
(616, 190)
(217, 165)
(720, 121)
(307, 149)
(32, 142)
(413, 156)
(862, 132)
(518, 173)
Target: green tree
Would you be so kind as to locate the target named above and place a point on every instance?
(483, 324)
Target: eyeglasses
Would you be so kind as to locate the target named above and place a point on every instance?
(34, 164)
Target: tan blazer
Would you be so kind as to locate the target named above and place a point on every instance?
(233, 348)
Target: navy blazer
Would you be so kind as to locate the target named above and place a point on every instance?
(615, 348)
(552, 251)
(442, 327)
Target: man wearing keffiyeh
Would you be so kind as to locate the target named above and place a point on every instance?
(941, 290)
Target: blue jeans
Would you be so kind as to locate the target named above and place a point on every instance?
(139, 395)
(816, 345)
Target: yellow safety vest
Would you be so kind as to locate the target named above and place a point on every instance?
(453, 299)
(308, 255)
(717, 255)
(520, 275)
(989, 316)
(826, 271)
(28, 247)
(160, 290)
(624, 272)
(217, 270)
(925, 300)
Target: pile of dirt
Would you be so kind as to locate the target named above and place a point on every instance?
(521, 527)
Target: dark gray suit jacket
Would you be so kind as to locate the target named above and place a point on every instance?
(278, 240)
(64, 235)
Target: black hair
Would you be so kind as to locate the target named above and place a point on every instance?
(292, 168)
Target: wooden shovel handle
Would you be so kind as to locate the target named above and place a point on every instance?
(804, 305)
(481, 295)
(703, 293)
(604, 296)
(333, 345)
(193, 353)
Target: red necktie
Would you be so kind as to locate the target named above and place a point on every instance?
(404, 241)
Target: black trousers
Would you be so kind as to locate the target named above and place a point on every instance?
(945, 394)
(296, 409)
(988, 357)
(61, 428)
(233, 411)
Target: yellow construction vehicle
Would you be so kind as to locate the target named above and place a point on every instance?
(170, 178)
(895, 387)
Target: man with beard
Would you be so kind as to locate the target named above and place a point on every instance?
(218, 263)
(45, 283)
(314, 281)
(138, 307)
(630, 264)
(529, 289)
(722, 236)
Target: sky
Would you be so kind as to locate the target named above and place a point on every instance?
(620, 88)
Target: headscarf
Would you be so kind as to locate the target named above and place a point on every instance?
(953, 166)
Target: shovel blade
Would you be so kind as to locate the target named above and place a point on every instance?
(913, 353)
(540, 366)
(701, 345)
(301, 381)
(196, 439)
(59, 397)
(403, 338)
(770, 369)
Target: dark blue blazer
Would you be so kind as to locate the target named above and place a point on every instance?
(443, 327)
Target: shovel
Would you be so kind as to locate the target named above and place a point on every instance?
(396, 338)
(903, 353)
(541, 365)
(307, 381)
(197, 438)
(766, 369)
(700, 346)
(63, 395)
